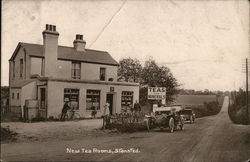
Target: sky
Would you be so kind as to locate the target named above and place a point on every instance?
(203, 42)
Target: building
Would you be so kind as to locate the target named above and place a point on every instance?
(50, 74)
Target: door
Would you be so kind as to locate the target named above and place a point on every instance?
(42, 98)
(110, 101)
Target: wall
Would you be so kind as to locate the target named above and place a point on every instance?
(36, 66)
(56, 96)
(20, 55)
(92, 71)
(29, 91)
(15, 101)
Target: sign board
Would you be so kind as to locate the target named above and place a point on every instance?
(156, 93)
(112, 89)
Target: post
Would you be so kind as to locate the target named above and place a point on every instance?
(247, 90)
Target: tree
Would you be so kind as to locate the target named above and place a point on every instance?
(159, 76)
(130, 69)
(151, 75)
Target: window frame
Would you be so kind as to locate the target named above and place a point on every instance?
(96, 95)
(13, 70)
(102, 76)
(70, 92)
(75, 69)
(127, 96)
(21, 67)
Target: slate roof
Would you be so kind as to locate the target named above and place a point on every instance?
(69, 53)
(21, 83)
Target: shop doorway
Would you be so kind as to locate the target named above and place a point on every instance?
(110, 101)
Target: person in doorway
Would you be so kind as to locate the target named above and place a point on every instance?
(105, 115)
(65, 110)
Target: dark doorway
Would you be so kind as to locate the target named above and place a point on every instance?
(42, 98)
(110, 101)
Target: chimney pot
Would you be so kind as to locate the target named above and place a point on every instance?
(54, 28)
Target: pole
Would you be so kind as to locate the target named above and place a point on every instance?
(247, 89)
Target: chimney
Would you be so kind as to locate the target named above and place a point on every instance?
(50, 48)
(79, 43)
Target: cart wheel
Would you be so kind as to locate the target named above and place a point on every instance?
(171, 125)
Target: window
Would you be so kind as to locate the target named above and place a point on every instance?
(93, 100)
(127, 99)
(72, 95)
(76, 70)
(13, 69)
(102, 74)
(17, 96)
(21, 68)
(13, 95)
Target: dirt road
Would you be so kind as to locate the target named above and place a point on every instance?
(212, 138)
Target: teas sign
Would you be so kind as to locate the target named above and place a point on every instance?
(156, 93)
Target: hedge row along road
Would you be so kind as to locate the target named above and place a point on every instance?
(212, 138)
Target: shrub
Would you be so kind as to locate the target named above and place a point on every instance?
(7, 134)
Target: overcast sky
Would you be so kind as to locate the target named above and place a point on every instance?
(202, 42)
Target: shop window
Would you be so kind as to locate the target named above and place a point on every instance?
(21, 68)
(72, 95)
(127, 99)
(93, 100)
(76, 70)
(102, 74)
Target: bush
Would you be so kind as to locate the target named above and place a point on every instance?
(238, 114)
(207, 109)
(7, 134)
(127, 122)
(237, 111)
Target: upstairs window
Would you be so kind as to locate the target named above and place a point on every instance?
(103, 74)
(13, 95)
(21, 68)
(17, 96)
(13, 70)
(76, 70)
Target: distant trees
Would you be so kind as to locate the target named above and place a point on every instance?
(149, 75)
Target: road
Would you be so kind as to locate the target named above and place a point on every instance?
(212, 138)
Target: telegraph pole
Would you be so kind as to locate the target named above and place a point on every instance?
(245, 70)
(247, 90)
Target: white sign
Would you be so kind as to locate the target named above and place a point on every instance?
(156, 93)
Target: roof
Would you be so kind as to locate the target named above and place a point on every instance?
(21, 83)
(69, 53)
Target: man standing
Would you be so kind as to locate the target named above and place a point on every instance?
(137, 109)
(137, 106)
(105, 115)
(65, 110)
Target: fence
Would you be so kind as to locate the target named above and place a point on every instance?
(13, 113)
(125, 122)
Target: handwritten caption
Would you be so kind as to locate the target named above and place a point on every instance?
(102, 151)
